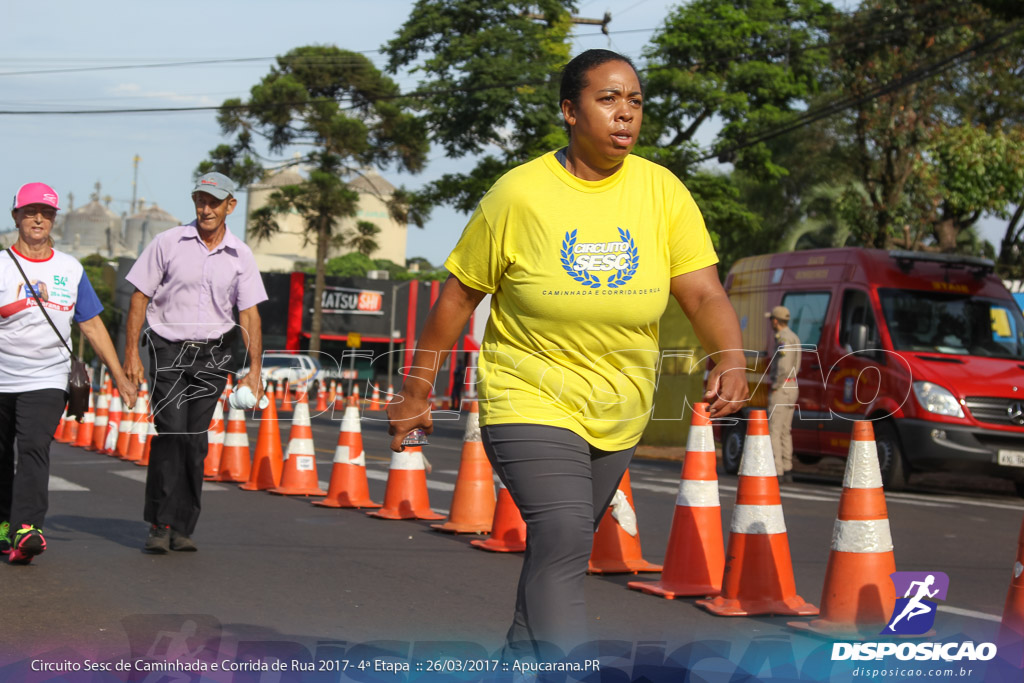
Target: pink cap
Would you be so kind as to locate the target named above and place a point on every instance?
(35, 193)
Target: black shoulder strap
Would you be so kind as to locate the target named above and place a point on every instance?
(38, 302)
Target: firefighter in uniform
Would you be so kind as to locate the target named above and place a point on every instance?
(785, 365)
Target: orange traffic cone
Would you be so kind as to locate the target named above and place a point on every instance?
(695, 557)
(150, 433)
(268, 461)
(60, 426)
(406, 494)
(339, 400)
(349, 487)
(1011, 630)
(375, 398)
(70, 429)
(474, 500)
(508, 530)
(279, 386)
(113, 425)
(224, 395)
(858, 595)
(99, 427)
(321, 400)
(617, 541)
(126, 428)
(140, 429)
(286, 403)
(215, 444)
(85, 430)
(758, 576)
(235, 459)
(298, 477)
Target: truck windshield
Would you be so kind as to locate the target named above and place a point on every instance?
(953, 323)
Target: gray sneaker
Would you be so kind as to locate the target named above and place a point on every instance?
(159, 539)
(182, 543)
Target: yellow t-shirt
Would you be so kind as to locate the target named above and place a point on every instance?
(580, 275)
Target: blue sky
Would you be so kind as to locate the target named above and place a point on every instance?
(72, 152)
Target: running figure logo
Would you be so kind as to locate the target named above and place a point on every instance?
(914, 613)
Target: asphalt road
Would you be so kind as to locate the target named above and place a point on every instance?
(278, 579)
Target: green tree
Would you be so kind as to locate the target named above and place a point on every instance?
(341, 114)
(488, 85)
(915, 78)
(745, 66)
(363, 237)
(102, 277)
(353, 264)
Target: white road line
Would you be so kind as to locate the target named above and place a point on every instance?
(140, 476)
(436, 485)
(61, 484)
(970, 613)
(921, 499)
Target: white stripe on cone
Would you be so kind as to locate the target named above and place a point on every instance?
(862, 470)
(341, 454)
(758, 519)
(472, 433)
(236, 439)
(407, 460)
(697, 494)
(758, 460)
(701, 439)
(862, 536)
(299, 447)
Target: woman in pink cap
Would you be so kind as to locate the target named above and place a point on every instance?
(34, 363)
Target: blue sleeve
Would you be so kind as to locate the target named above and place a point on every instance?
(88, 305)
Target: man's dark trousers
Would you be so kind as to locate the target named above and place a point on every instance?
(186, 382)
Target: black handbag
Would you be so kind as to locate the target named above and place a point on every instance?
(79, 385)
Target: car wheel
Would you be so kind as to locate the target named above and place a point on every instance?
(808, 459)
(732, 449)
(890, 457)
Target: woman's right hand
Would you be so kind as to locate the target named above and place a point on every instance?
(128, 390)
(406, 413)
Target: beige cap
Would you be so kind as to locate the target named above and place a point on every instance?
(779, 313)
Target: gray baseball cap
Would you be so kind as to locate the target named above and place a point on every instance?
(216, 184)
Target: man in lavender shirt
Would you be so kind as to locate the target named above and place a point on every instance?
(187, 283)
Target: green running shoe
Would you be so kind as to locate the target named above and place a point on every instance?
(5, 539)
(28, 542)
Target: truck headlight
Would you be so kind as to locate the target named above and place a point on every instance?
(936, 399)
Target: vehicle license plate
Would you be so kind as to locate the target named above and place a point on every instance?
(1011, 458)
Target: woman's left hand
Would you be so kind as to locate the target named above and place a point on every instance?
(727, 388)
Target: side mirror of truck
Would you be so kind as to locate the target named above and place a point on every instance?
(858, 337)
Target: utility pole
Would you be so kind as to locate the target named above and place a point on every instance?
(135, 180)
(602, 22)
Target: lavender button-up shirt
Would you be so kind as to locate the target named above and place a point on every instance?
(192, 289)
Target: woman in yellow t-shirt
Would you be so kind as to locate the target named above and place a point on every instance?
(580, 249)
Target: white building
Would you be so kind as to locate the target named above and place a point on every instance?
(291, 243)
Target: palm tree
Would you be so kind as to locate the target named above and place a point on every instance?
(363, 238)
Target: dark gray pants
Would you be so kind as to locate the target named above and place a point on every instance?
(562, 486)
(186, 382)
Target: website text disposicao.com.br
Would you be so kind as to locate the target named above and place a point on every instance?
(904, 673)
(952, 660)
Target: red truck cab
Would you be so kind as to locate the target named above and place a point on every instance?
(930, 347)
